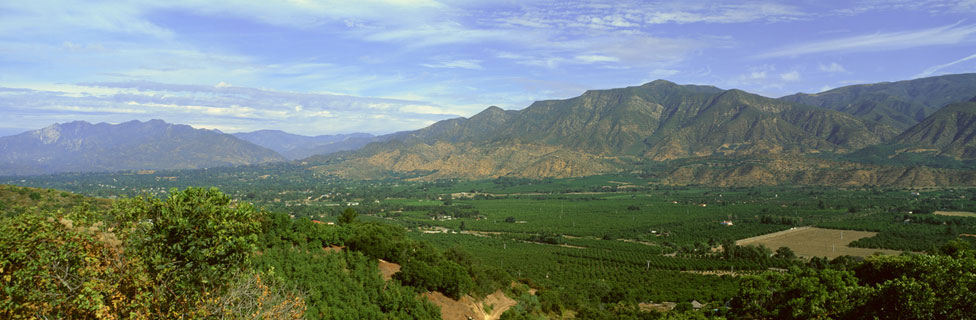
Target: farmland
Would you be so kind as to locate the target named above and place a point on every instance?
(601, 239)
(817, 242)
(956, 213)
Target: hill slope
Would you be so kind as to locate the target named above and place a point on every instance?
(133, 145)
(294, 146)
(892, 107)
(951, 131)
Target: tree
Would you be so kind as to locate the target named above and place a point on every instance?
(348, 216)
(785, 253)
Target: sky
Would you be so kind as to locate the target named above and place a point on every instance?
(379, 66)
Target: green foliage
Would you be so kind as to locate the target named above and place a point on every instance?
(191, 242)
(880, 287)
(56, 265)
(799, 294)
(348, 216)
(342, 285)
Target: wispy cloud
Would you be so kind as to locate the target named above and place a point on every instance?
(951, 34)
(932, 70)
(192, 104)
(460, 64)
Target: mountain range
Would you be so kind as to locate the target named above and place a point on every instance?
(134, 145)
(606, 131)
(675, 133)
(293, 146)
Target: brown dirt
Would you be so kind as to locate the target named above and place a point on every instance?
(816, 242)
(468, 308)
(333, 248)
(387, 269)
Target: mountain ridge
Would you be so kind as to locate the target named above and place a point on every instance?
(889, 108)
(607, 131)
(132, 145)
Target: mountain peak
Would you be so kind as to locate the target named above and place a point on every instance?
(489, 112)
(660, 82)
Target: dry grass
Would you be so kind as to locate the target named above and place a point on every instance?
(956, 213)
(816, 242)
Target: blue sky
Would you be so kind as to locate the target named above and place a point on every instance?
(323, 67)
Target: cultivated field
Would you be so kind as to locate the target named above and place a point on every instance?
(816, 242)
(956, 213)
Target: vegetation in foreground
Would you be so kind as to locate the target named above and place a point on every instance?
(120, 259)
(198, 254)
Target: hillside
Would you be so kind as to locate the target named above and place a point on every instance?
(133, 145)
(892, 107)
(597, 131)
(950, 131)
(294, 146)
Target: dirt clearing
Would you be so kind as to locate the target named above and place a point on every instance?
(387, 269)
(816, 242)
(468, 308)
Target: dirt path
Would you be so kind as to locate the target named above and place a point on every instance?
(468, 308)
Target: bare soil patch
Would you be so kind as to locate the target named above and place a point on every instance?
(387, 269)
(659, 307)
(816, 242)
(469, 308)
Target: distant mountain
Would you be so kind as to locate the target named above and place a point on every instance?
(133, 145)
(591, 133)
(293, 146)
(889, 108)
(951, 131)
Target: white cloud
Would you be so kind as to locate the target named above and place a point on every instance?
(790, 76)
(756, 75)
(951, 34)
(595, 58)
(832, 67)
(663, 73)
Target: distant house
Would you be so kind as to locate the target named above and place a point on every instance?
(727, 223)
(696, 305)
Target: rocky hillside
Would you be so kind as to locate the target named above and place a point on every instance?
(133, 145)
